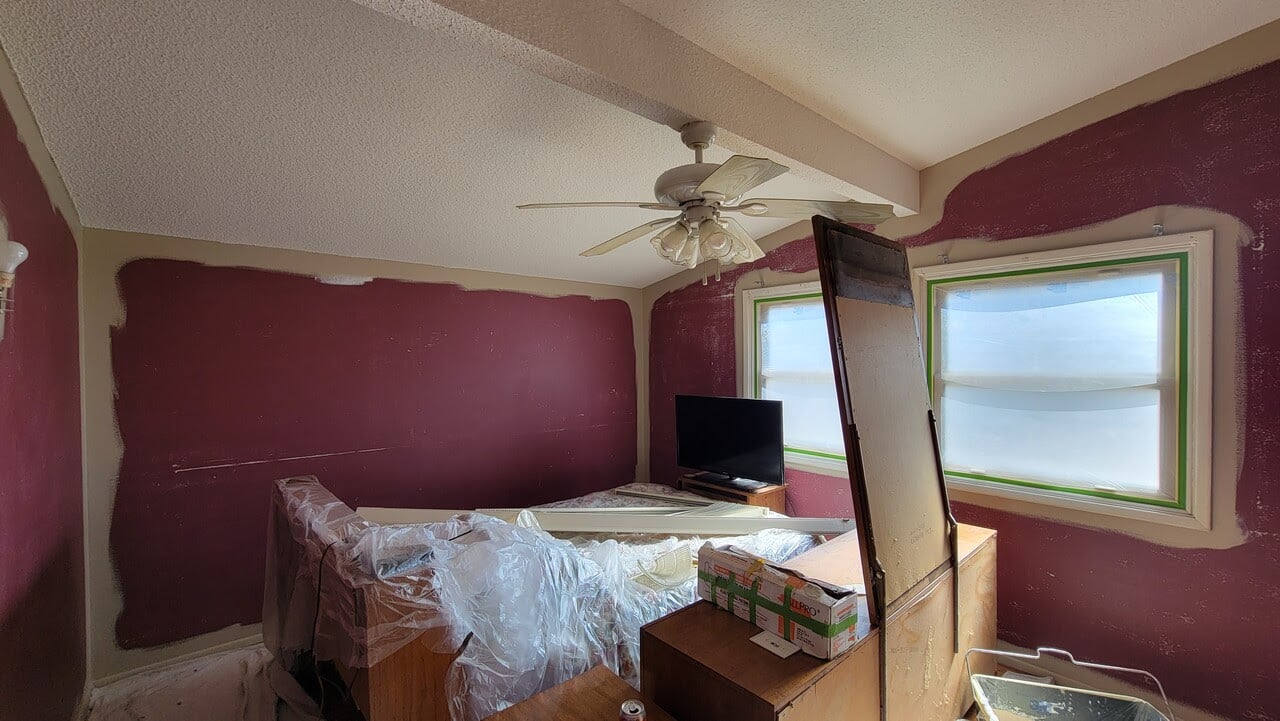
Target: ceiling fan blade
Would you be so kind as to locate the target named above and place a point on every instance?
(843, 211)
(618, 241)
(746, 249)
(739, 174)
(608, 204)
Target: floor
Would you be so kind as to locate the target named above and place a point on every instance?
(236, 685)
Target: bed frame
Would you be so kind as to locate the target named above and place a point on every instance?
(321, 604)
(308, 525)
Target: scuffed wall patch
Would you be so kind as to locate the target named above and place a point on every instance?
(393, 393)
(1203, 620)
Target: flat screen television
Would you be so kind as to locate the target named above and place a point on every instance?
(732, 437)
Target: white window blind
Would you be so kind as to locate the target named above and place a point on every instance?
(1077, 377)
(1064, 378)
(789, 359)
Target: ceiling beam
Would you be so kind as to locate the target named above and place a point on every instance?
(608, 50)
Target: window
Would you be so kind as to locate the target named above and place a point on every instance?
(1077, 378)
(788, 358)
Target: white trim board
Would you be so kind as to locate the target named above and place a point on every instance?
(720, 510)
(619, 522)
(1198, 245)
(84, 705)
(244, 642)
(682, 500)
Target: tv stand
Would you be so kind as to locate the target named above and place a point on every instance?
(736, 490)
(745, 485)
(710, 477)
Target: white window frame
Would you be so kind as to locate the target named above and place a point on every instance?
(1195, 475)
(748, 377)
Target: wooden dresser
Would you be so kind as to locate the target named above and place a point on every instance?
(699, 663)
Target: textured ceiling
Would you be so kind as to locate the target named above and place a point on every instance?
(322, 125)
(325, 126)
(925, 79)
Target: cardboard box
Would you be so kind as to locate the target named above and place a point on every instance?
(820, 618)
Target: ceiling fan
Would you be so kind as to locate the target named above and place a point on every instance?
(703, 192)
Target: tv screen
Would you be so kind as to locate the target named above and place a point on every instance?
(737, 437)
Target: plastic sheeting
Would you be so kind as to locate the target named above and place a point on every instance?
(527, 611)
(238, 685)
(640, 603)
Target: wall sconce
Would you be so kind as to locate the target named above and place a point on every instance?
(11, 256)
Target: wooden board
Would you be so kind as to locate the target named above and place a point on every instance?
(411, 684)
(924, 679)
(772, 497)
(408, 685)
(900, 501)
(889, 402)
(851, 691)
(596, 695)
(700, 664)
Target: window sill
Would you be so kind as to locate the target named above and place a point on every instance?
(1167, 528)
(1104, 514)
(836, 468)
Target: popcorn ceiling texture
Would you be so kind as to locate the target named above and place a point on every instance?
(1203, 621)
(325, 126)
(614, 53)
(926, 80)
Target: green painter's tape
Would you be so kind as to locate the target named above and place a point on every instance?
(733, 588)
(786, 602)
(755, 591)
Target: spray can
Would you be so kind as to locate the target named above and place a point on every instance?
(632, 710)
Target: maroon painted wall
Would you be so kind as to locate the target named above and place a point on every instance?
(394, 394)
(42, 636)
(691, 350)
(1205, 622)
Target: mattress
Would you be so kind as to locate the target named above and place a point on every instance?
(523, 609)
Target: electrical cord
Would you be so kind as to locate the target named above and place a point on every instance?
(315, 621)
(315, 625)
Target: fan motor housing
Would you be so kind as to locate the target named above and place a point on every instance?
(679, 184)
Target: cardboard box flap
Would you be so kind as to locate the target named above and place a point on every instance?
(831, 589)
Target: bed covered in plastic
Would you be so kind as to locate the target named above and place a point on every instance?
(527, 610)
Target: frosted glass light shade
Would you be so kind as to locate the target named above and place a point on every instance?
(679, 245)
(11, 255)
(669, 241)
(716, 243)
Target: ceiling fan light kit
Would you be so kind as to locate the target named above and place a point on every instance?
(700, 192)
